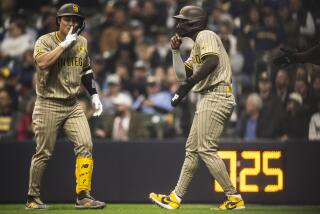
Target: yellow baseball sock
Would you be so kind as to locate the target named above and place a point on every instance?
(84, 167)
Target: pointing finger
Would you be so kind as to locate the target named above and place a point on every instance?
(70, 31)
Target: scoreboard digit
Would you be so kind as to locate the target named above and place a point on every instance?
(254, 171)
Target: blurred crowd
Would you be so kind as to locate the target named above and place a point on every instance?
(129, 47)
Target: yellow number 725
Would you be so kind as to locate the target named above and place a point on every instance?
(253, 171)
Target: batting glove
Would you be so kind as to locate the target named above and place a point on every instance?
(287, 58)
(96, 104)
(182, 91)
(70, 38)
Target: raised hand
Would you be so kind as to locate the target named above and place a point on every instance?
(70, 38)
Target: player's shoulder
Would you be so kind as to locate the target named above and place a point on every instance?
(82, 39)
(206, 33)
(45, 38)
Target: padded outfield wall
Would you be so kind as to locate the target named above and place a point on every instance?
(264, 172)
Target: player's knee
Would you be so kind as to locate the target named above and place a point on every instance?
(205, 153)
(42, 156)
(192, 158)
(191, 154)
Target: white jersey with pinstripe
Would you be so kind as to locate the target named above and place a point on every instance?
(209, 43)
(62, 79)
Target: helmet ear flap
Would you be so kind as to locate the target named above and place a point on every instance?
(81, 27)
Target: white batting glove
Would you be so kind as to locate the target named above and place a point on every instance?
(96, 104)
(70, 38)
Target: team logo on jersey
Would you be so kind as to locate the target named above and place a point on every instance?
(75, 8)
(81, 48)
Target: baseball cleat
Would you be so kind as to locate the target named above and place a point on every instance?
(35, 203)
(170, 202)
(88, 202)
(233, 202)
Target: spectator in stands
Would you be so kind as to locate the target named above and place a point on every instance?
(48, 21)
(155, 101)
(183, 113)
(171, 8)
(314, 125)
(301, 73)
(246, 45)
(160, 75)
(9, 73)
(282, 83)
(8, 117)
(132, 31)
(230, 43)
(214, 18)
(113, 90)
(99, 68)
(27, 71)
(304, 19)
(253, 23)
(225, 30)
(315, 94)
(151, 17)
(88, 110)
(301, 87)
(296, 122)
(26, 95)
(272, 111)
(134, 10)
(111, 33)
(125, 51)
(124, 124)
(142, 43)
(92, 42)
(267, 39)
(139, 79)
(24, 127)
(289, 25)
(17, 41)
(161, 55)
(7, 8)
(123, 71)
(247, 125)
(236, 58)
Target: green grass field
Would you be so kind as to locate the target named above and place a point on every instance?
(153, 209)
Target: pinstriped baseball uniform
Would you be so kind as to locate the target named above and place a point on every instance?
(57, 107)
(212, 113)
(61, 80)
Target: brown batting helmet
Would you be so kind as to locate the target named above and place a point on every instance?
(191, 19)
(71, 9)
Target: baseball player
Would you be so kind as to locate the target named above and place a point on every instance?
(289, 57)
(207, 71)
(62, 64)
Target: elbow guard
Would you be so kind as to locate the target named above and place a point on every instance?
(89, 83)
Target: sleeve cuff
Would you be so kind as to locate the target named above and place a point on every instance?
(208, 54)
(188, 66)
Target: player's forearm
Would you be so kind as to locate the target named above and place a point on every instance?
(178, 65)
(45, 60)
(311, 55)
(209, 65)
(88, 82)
